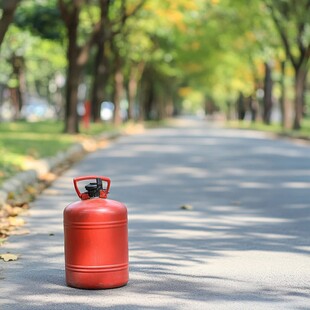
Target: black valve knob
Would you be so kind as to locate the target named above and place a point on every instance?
(93, 189)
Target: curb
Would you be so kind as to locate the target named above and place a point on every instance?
(19, 182)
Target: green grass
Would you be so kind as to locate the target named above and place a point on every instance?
(304, 132)
(276, 128)
(305, 127)
(22, 140)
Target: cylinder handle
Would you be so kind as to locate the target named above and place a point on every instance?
(93, 189)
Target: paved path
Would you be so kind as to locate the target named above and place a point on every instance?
(244, 245)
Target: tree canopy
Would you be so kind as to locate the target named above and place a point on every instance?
(155, 58)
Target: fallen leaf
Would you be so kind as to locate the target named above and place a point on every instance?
(11, 195)
(49, 177)
(236, 202)
(186, 207)
(9, 257)
(31, 189)
(13, 211)
(15, 221)
(19, 232)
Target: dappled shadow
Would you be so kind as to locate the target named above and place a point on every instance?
(249, 197)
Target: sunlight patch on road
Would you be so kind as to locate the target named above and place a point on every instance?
(296, 184)
(271, 236)
(283, 152)
(255, 185)
(183, 234)
(186, 171)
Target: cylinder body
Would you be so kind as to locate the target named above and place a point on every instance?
(96, 244)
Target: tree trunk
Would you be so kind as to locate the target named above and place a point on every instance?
(118, 88)
(283, 104)
(267, 94)
(169, 106)
(18, 65)
(146, 100)
(132, 92)
(160, 106)
(99, 81)
(77, 56)
(148, 103)
(71, 115)
(299, 87)
(253, 108)
(241, 107)
(280, 12)
(135, 74)
(142, 96)
(73, 74)
(101, 66)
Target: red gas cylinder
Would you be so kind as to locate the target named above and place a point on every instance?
(96, 238)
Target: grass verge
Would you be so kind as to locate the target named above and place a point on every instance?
(303, 133)
(21, 141)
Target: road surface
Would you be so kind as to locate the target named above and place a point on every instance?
(241, 242)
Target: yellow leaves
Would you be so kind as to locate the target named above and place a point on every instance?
(193, 67)
(173, 17)
(176, 16)
(196, 45)
(31, 190)
(15, 221)
(172, 13)
(13, 210)
(19, 232)
(190, 5)
(184, 91)
(250, 36)
(10, 222)
(9, 257)
(260, 67)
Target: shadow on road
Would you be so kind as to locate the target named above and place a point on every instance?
(250, 195)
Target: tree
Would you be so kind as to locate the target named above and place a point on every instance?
(38, 41)
(154, 56)
(8, 9)
(114, 16)
(77, 56)
(267, 93)
(292, 22)
(219, 52)
(101, 61)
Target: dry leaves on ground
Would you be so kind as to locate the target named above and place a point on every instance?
(10, 221)
(9, 257)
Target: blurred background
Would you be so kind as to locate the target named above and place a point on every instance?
(109, 62)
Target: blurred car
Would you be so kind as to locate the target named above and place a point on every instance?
(106, 110)
(37, 109)
(7, 111)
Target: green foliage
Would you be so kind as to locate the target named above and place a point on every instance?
(293, 20)
(16, 43)
(42, 19)
(213, 48)
(44, 59)
(220, 54)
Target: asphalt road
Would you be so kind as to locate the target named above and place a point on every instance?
(244, 244)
